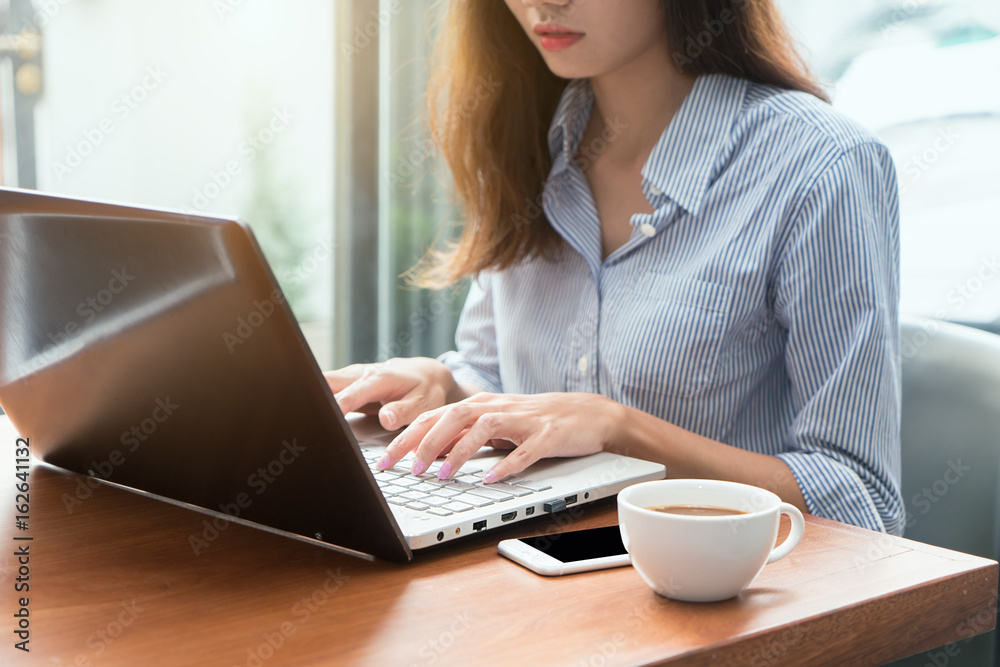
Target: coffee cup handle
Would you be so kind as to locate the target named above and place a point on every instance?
(798, 529)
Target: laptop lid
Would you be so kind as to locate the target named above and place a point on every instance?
(154, 350)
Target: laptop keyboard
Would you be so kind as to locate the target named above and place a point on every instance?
(462, 492)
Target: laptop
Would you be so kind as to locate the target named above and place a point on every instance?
(154, 351)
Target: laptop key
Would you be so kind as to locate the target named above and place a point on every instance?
(424, 487)
(397, 500)
(439, 511)
(533, 486)
(406, 480)
(436, 501)
(461, 486)
(457, 507)
(392, 489)
(418, 506)
(507, 488)
(445, 492)
(412, 496)
(477, 501)
(489, 493)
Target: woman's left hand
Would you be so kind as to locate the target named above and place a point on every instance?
(535, 425)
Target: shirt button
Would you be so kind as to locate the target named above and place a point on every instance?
(655, 191)
(582, 364)
(647, 230)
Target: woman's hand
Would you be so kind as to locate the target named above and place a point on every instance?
(535, 426)
(397, 390)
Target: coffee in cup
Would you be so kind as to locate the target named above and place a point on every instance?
(703, 540)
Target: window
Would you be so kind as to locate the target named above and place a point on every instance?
(925, 76)
(305, 118)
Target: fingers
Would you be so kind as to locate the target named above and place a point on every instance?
(519, 459)
(340, 379)
(397, 414)
(371, 387)
(486, 427)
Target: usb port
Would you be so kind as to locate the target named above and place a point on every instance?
(509, 516)
(479, 525)
(570, 499)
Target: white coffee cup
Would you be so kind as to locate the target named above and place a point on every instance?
(703, 558)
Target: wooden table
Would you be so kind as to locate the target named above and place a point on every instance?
(114, 581)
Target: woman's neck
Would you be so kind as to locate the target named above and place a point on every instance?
(642, 96)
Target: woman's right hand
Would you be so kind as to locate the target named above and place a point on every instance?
(398, 390)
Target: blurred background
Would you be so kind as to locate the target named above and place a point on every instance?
(304, 118)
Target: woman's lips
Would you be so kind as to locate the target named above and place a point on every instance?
(555, 41)
(555, 37)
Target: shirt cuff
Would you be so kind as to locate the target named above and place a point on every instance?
(834, 491)
(466, 373)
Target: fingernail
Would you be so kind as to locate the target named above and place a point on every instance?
(490, 477)
(418, 467)
(444, 471)
(383, 462)
(389, 417)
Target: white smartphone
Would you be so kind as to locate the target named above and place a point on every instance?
(568, 553)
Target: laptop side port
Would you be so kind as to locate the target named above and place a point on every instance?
(509, 516)
(528, 511)
(479, 525)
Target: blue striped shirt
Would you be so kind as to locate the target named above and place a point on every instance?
(756, 306)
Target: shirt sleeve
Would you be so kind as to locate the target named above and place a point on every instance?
(475, 360)
(836, 293)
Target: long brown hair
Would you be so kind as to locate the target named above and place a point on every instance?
(492, 97)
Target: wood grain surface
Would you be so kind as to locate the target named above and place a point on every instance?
(114, 580)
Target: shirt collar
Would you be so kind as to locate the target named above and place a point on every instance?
(684, 161)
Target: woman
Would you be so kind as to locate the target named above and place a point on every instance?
(680, 254)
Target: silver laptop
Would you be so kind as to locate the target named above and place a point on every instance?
(154, 350)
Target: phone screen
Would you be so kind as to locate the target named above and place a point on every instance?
(580, 545)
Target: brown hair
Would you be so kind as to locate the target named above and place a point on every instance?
(492, 97)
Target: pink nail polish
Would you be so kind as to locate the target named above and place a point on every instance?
(418, 467)
(383, 462)
(489, 477)
(445, 470)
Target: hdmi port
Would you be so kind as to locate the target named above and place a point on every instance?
(509, 516)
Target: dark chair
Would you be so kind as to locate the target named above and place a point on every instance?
(951, 454)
